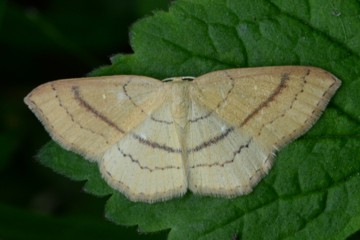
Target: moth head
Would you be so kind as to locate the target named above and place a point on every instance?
(178, 79)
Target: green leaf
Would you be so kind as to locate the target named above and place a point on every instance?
(313, 191)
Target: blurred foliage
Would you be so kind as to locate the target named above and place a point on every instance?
(44, 40)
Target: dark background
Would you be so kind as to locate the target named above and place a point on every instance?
(41, 41)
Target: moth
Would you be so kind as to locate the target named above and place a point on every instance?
(216, 134)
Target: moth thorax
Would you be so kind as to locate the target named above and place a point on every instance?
(180, 103)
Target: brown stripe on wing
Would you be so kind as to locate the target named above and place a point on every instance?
(89, 108)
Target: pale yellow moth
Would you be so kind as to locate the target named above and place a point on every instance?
(215, 134)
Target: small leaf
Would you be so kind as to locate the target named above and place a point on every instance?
(313, 191)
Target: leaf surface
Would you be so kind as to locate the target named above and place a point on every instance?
(313, 191)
